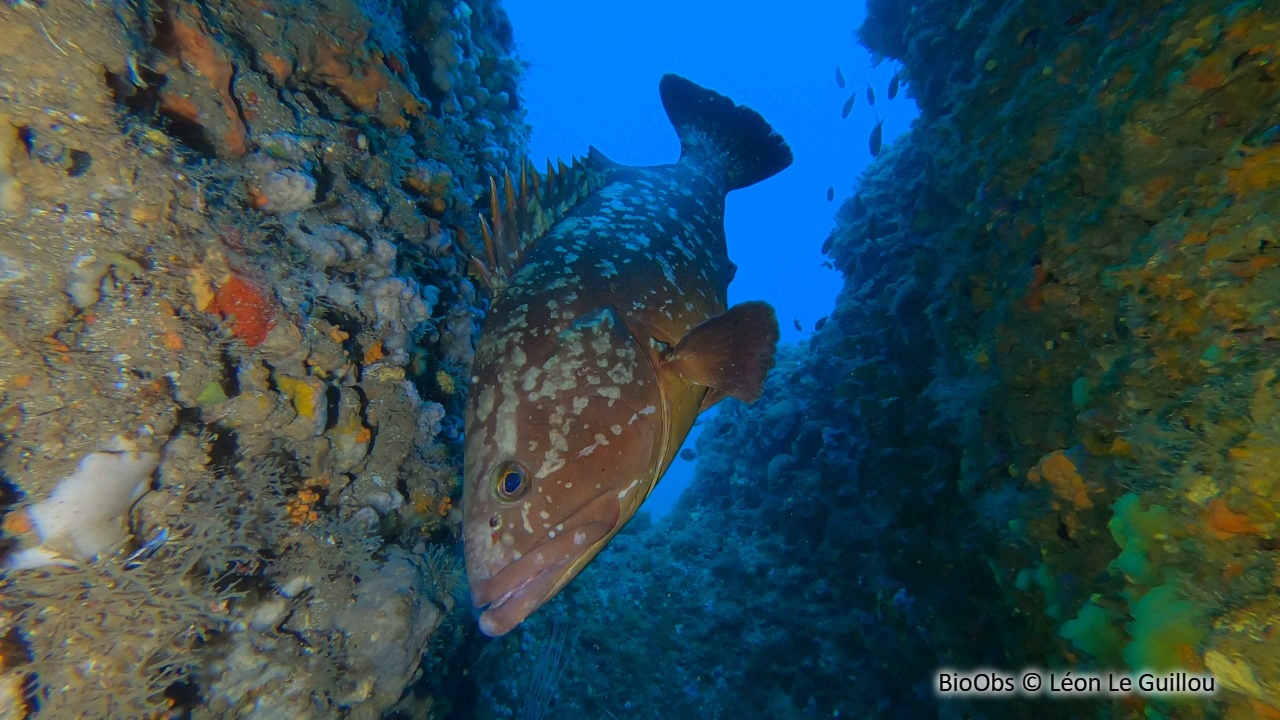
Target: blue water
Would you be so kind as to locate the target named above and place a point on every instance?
(593, 80)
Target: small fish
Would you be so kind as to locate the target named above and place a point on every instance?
(893, 87)
(147, 550)
(588, 375)
(821, 322)
(877, 137)
(871, 94)
(839, 78)
(828, 265)
(831, 194)
(848, 106)
(799, 327)
(688, 455)
(1077, 18)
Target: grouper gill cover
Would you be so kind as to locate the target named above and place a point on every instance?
(608, 335)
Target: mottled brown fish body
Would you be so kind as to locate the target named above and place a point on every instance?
(590, 370)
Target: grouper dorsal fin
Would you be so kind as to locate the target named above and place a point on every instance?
(521, 211)
(730, 353)
(598, 161)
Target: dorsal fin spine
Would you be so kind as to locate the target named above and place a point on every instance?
(493, 247)
(524, 185)
(487, 235)
(479, 269)
(509, 189)
(522, 212)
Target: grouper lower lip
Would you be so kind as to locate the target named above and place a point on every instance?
(521, 587)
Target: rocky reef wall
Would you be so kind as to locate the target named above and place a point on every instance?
(234, 340)
(1109, 288)
(1041, 425)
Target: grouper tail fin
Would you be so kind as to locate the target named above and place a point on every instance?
(719, 135)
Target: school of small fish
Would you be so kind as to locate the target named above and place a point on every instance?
(876, 141)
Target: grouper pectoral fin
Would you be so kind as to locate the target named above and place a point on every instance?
(730, 353)
(710, 399)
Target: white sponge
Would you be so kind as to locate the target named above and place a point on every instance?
(86, 513)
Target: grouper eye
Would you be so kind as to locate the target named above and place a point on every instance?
(511, 480)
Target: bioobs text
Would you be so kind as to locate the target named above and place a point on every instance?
(1069, 683)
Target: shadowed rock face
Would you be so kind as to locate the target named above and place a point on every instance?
(222, 241)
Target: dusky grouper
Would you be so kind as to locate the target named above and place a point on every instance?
(608, 335)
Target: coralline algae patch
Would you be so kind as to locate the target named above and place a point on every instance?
(234, 313)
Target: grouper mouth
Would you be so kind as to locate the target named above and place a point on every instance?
(522, 586)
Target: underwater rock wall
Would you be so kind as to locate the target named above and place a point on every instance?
(1041, 426)
(1110, 288)
(236, 326)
